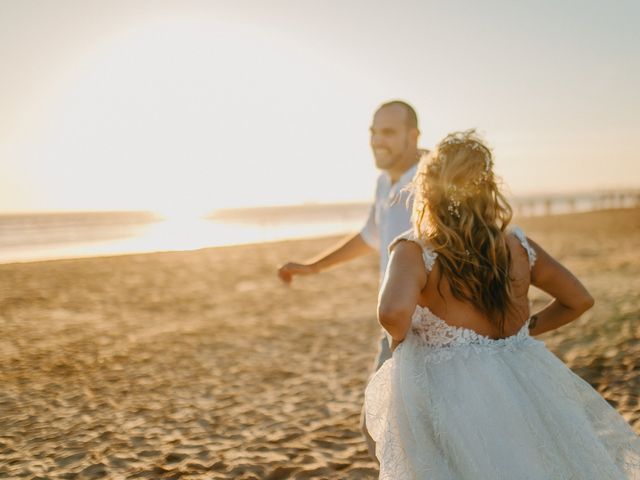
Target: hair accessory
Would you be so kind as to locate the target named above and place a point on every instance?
(455, 194)
(453, 208)
(481, 178)
(454, 202)
(473, 145)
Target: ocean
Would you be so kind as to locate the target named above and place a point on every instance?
(44, 236)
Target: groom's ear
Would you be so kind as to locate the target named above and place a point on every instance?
(414, 133)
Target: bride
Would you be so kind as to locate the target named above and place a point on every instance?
(468, 393)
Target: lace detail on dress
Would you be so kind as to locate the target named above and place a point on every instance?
(428, 255)
(531, 253)
(442, 340)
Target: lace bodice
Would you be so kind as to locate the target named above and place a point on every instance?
(435, 332)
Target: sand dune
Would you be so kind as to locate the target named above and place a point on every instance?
(199, 365)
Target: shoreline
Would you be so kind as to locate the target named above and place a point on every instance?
(523, 219)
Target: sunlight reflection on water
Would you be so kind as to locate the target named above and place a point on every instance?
(29, 237)
(174, 234)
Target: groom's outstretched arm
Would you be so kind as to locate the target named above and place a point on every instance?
(348, 249)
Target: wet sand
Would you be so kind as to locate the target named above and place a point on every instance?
(199, 365)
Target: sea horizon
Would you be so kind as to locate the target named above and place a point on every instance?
(49, 235)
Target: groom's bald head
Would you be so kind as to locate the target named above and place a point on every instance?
(411, 118)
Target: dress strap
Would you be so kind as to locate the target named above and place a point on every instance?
(428, 255)
(531, 253)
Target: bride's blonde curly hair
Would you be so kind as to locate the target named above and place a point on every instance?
(459, 209)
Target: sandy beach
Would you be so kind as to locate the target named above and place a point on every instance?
(201, 364)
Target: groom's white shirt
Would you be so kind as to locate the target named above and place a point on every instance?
(390, 215)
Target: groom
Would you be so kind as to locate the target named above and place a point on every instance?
(394, 141)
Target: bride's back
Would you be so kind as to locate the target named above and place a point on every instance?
(481, 276)
(438, 297)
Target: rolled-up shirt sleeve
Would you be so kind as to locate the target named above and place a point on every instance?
(369, 232)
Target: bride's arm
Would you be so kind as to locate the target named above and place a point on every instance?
(403, 281)
(571, 298)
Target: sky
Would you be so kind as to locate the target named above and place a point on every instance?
(187, 106)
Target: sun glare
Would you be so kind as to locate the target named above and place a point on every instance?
(156, 118)
(176, 213)
(182, 118)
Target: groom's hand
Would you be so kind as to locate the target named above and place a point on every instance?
(287, 271)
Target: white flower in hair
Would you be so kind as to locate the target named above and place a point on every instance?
(454, 201)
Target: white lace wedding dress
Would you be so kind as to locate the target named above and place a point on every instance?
(452, 404)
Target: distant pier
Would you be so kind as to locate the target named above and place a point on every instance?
(536, 205)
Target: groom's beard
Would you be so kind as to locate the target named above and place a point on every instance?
(386, 159)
